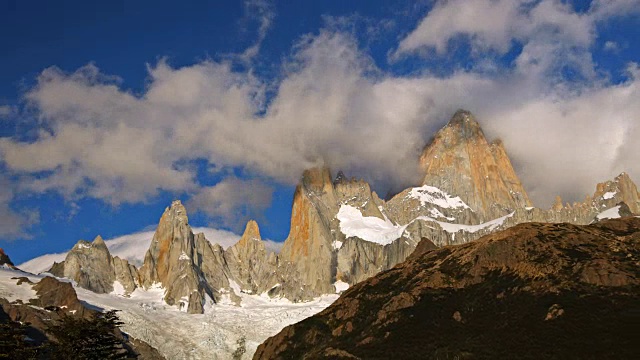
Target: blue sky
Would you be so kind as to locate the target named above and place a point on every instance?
(109, 111)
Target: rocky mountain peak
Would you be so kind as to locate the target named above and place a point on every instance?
(340, 178)
(4, 258)
(90, 265)
(177, 212)
(464, 124)
(99, 242)
(620, 189)
(317, 179)
(251, 233)
(459, 160)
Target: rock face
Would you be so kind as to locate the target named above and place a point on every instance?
(92, 267)
(532, 291)
(460, 161)
(308, 250)
(173, 262)
(248, 262)
(4, 259)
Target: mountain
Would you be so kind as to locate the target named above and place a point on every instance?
(4, 259)
(533, 291)
(460, 161)
(92, 267)
(341, 232)
(133, 247)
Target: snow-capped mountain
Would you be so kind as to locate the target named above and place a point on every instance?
(341, 233)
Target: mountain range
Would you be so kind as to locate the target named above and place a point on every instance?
(342, 233)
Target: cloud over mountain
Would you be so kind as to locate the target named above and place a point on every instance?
(334, 104)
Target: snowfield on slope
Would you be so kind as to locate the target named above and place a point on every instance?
(432, 195)
(368, 228)
(383, 232)
(178, 335)
(612, 213)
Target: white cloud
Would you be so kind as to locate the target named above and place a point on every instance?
(334, 105)
(232, 201)
(497, 24)
(263, 12)
(14, 223)
(611, 46)
(489, 24)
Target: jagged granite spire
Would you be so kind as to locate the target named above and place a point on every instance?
(461, 161)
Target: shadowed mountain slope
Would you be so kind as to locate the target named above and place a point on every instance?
(553, 291)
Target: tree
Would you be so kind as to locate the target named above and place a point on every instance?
(14, 342)
(87, 339)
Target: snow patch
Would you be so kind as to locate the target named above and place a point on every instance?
(11, 291)
(433, 195)
(373, 229)
(612, 213)
(368, 228)
(454, 228)
(609, 195)
(340, 286)
(437, 214)
(337, 244)
(184, 256)
(118, 289)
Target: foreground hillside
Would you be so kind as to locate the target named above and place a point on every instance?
(532, 291)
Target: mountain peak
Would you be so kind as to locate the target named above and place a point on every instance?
(98, 241)
(4, 258)
(461, 116)
(621, 188)
(460, 161)
(465, 124)
(251, 233)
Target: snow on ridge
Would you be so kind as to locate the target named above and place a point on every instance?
(609, 195)
(42, 263)
(612, 213)
(368, 228)
(373, 229)
(454, 228)
(437, 214)
(433, 195)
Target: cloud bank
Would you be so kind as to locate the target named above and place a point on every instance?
(564, 124)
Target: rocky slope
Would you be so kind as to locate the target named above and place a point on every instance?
(41, 302)
(532, 291)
